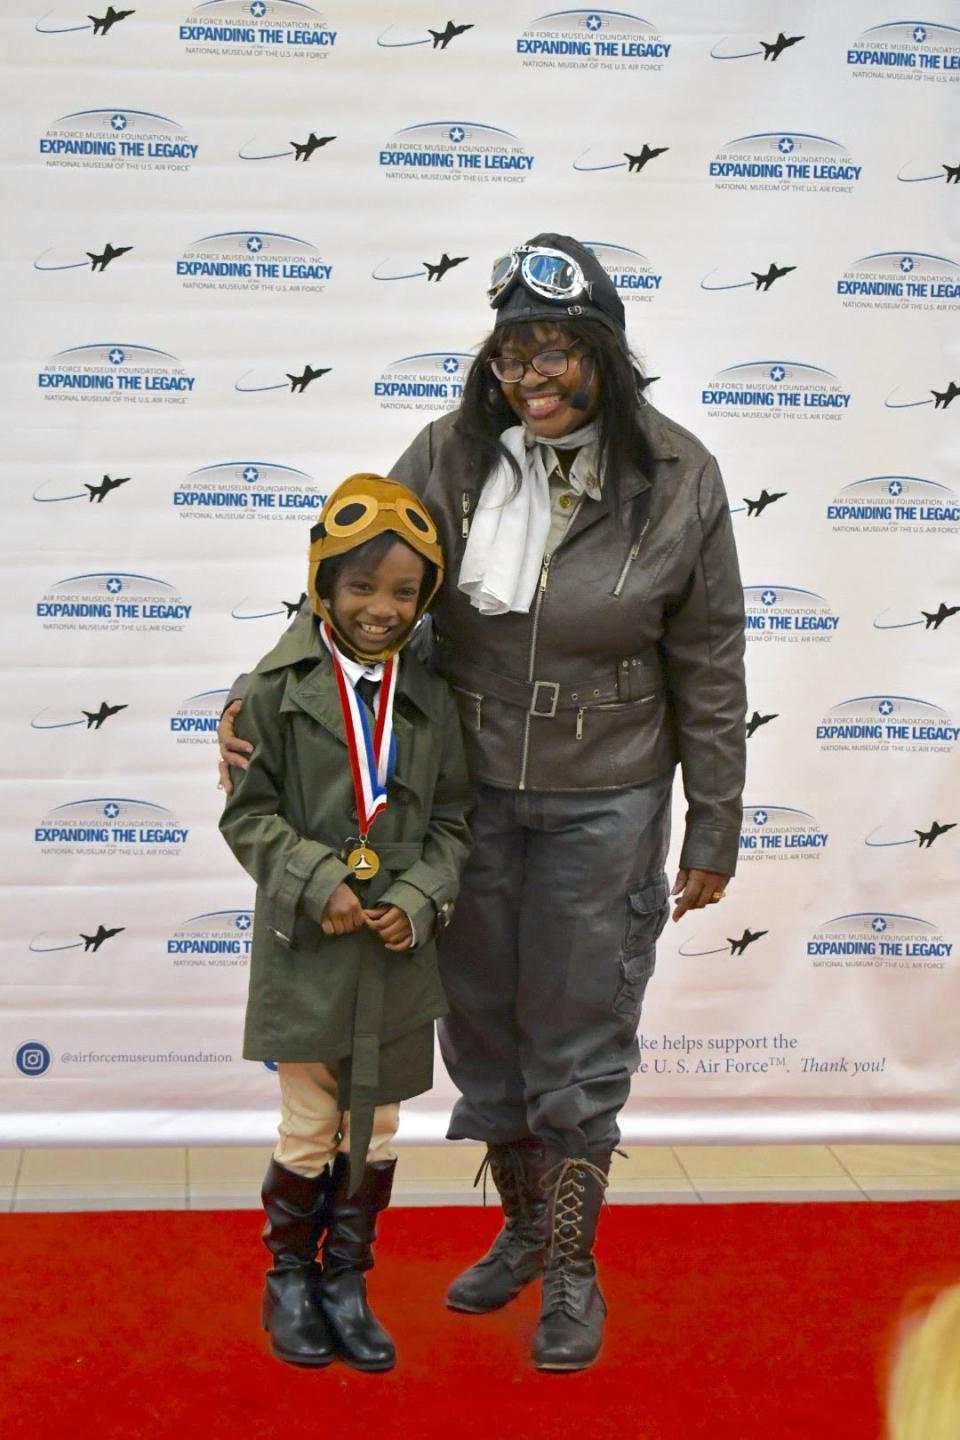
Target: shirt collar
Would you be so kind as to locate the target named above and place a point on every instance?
(583, 477)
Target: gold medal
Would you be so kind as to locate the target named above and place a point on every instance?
(364, 862)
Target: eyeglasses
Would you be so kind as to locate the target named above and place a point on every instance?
(548, 273)
(509, 369)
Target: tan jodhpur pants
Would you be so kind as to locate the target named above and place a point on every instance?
(313, 1127)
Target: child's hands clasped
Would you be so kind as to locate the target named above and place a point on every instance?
(343, 914)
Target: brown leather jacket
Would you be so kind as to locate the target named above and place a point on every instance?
(631, 656)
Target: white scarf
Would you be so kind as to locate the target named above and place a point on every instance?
(504, 551)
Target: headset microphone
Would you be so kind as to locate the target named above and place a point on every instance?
(580, 399)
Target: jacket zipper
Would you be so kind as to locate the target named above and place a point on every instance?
(632, 554)
(531, 667)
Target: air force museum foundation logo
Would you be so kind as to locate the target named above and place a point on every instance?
(455, 150)
(115, 371)
(634, 276)
(784, 160)
(195, 720)
(431, 381)
(781, 389)
(879, 940)
(113, 600)
(110, 825)
(217, 938)
(901, 279)
(247, 489)
(886, 721)
(245, 260)
(782, 612)
(593, 40)
(257, 28)
(883, 503)
(779, 832)
(908, 50)
(114, 138)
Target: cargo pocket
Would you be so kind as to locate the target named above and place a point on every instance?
(647, 912)
(470, 705)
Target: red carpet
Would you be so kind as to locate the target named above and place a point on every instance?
(738, 1322)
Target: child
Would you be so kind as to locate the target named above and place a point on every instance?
(344, 986)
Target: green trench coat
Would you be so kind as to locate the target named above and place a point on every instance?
(290, 821)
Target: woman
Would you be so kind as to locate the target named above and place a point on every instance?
(592, 629)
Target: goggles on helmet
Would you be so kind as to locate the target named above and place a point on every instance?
(548, 273)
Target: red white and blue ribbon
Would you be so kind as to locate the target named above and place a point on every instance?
(373, 757)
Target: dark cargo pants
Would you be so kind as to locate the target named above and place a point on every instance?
(547, 958)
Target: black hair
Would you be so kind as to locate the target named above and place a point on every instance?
(622, 441)
(372, 551)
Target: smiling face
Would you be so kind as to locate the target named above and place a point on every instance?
(543, 402)
(375, 602)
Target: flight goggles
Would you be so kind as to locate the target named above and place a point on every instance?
(548, 273)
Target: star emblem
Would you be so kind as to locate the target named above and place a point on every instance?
(760, 817)
(251, 473)
(906, 264)
(895, 487)
(258, 9)
(456, 133)
(254, 244)
(879, 924)
(116, 356)
(777, 372)
(769, 597)
(242, 922)
(451, 365)
(885, 707)
(594, 22)
(786, 146)
(919, 34)
(119, 122)
(111, 809)
(114, 585)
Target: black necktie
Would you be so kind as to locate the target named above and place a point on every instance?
(367, 690)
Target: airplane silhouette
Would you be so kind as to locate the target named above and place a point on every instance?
(943, 397)
(756, 720)
(637, 162)
(776, 272)
(437, 272)
(756, 507)
(770, 52)
(934, 621)
(313, 142)
(93, 942)
(737, 947)
(300, 382)
(442, 38)
(103, 23)
(293, 606)
(97, 492)
(935, 829)
(644, 380)
(953, 174)
(95, 718)
(110, 252)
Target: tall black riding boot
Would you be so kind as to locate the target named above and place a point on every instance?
(570, 1331)
(517, 1254)
(347, 1252)
(296, 1207)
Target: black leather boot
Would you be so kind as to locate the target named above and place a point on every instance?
(570, 1331)
(347, 1252)
(517, 1254)
(296, 1207)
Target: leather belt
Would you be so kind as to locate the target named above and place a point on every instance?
(536, 697)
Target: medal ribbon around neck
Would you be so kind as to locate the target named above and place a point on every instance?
(372, 757)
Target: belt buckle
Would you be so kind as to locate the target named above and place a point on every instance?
(553, 700)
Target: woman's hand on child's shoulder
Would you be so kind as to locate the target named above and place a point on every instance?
(233, 750)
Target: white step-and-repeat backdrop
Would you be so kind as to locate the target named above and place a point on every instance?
(245, 254)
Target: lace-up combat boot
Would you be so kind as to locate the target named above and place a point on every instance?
(296, 1207)
(347, 1253)
(570, 1331)
(517, 1254)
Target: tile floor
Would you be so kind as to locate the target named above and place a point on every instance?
(228, 1177)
